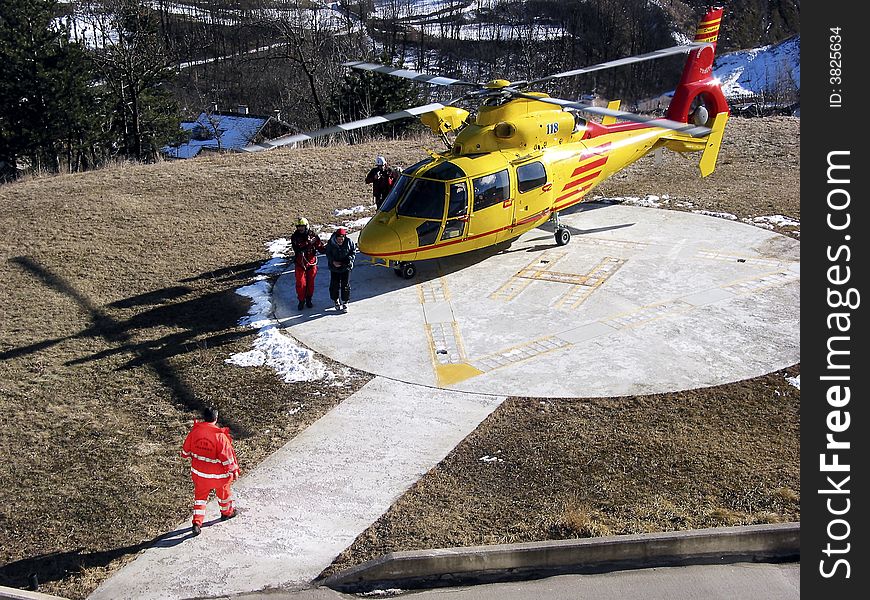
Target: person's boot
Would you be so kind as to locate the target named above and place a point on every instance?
(308, 302)
(196, 530)
(229, 516)
(301, 304)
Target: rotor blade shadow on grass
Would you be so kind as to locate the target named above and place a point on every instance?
(164, 348)
(235, 273)
(156, 297)
(116, 333)
(32, 348)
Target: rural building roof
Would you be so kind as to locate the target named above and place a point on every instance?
(217, 131)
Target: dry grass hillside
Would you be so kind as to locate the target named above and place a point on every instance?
(119, 309)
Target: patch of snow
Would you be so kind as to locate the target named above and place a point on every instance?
(649, 201)
(760, 70)
(488, 458)
(795, 381)
(721, 215)
(778, 220)
(344, 212)
(273, 348)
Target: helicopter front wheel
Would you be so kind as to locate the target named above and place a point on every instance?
(406, 270)
(563, 236)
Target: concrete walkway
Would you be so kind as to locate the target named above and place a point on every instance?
(307, 502)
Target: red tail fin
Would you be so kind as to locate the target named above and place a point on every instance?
(697, 81)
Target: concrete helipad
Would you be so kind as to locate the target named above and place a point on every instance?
(640, 301)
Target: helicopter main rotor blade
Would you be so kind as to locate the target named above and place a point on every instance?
(682, 49)
(343, 127)
(687, 128)
(412, 75)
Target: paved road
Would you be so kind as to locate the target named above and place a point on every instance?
(699, 582)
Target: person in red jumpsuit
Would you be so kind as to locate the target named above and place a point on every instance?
(213, 466)
(306, 245)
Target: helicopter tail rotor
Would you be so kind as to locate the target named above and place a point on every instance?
(698, 97)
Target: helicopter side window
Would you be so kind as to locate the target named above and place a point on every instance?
(531, 176)
(491, 189)
(393, 197)
(457, 209)
(423, 200)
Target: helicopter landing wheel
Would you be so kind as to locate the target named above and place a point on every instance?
(406, 270)
(563, 236)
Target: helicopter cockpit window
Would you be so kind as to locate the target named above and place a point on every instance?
(531, 176)
(491, 189)
(395, 193)
(415, 167)
(423, 200)
(445, 172)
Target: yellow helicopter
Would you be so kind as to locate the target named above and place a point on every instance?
(525, 156)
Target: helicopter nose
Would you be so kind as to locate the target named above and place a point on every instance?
(379, 239)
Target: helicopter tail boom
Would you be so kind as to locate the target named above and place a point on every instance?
(697, 86)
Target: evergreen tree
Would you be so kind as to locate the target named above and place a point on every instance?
(141, 114)
(364, 94)
(46, 97)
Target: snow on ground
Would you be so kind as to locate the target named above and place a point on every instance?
(795, 381)
(665, 201)
(272, 347)
(760, 70)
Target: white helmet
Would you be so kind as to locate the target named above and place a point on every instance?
(380, 161)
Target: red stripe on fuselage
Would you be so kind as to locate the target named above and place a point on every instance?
(538, 215)
(577, 182)
(588, 166)
(574, 201)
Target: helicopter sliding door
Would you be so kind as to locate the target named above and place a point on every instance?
(457, 212)
(534, 196)
(491, 211)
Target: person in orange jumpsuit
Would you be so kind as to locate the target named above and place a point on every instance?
(213, 466)
(306, 245)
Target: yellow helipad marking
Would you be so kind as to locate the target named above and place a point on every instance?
(519, 353)
(582, 284)
(434, 290)
(612, 243)
(647, 313)
(580, 291)
(450, 374)
(749, 260)
(444, 338)
(761, 282)
(521, 280)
